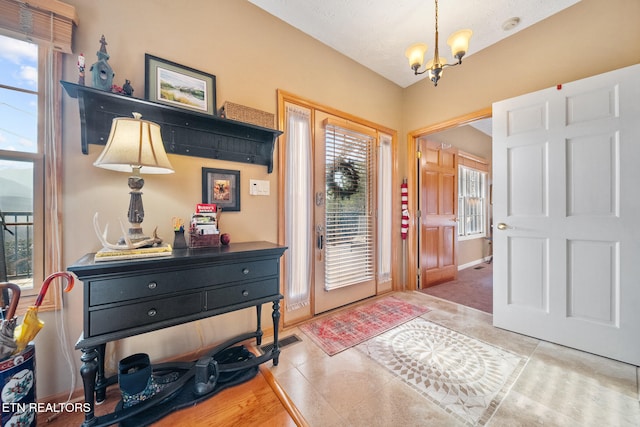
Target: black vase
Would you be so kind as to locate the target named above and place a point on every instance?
(179, 241)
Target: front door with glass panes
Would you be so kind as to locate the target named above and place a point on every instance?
(344, 255)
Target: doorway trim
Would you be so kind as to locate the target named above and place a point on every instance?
(412, 168)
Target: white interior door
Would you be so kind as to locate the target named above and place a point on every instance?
(567, 214)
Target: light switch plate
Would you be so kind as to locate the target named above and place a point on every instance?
(259, 187)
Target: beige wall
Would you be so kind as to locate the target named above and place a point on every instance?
(252, 54)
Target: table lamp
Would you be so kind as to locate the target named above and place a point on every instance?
(135, 146)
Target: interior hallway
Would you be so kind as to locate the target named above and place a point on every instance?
(473, 288)
(558, 386)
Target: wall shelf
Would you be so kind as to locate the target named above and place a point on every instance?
(183, 132)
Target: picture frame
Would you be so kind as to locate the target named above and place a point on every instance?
(176, 85)
(222, 187)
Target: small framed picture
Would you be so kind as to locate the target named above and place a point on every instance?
(222, 187)
(179, 86)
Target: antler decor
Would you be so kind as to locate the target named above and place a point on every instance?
(128, 244)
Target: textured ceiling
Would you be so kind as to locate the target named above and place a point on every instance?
(376, 33)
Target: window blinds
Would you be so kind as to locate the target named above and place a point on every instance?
(472, 201)
(349, 219)
(39, 21)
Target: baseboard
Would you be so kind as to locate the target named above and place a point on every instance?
(473, 263)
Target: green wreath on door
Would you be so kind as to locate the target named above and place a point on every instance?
(343, 180)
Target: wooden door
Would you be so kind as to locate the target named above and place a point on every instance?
(566, 212)
(438, 206)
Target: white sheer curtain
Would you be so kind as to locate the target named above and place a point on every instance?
(53, 162)
(298, 206)
(385, 192)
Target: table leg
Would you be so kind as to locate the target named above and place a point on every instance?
(101, 381)
(276, 321)
(88, 372)
(259, 329)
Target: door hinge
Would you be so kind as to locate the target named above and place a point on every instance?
(419, 154)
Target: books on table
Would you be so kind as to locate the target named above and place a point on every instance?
(106, 254)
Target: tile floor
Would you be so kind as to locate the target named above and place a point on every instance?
(557, 387)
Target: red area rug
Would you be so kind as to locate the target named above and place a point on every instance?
(342, 330)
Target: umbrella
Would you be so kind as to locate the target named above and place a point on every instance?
(7, 342)
(31, 324)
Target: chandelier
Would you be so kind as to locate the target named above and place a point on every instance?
(459, 42)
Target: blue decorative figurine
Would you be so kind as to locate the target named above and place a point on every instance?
(101, 70)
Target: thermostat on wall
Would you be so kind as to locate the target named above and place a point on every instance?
(258, 187)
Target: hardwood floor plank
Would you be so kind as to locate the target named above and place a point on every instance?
(253, 403)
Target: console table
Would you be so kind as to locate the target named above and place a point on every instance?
(132, 297)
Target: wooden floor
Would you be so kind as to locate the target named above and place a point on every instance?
(258, 402)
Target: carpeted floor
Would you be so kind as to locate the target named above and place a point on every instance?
(465, 377)
(473, 288)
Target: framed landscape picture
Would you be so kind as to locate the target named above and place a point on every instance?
(222, 187)
(179, 86)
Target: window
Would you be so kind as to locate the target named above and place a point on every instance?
(298, 211)
(385, 200)
(21, 162)
(32, 40)
(349, 207)
(472, 202)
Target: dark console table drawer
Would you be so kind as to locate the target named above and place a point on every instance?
(232, 295)
(126, 288)
(144, 313)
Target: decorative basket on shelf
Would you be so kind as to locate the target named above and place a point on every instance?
(245, 114)
(203, 240)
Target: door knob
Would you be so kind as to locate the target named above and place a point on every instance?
(502, 226)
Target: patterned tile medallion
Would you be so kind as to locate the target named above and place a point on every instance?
(464, 376)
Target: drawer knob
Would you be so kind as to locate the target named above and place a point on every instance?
(152, 312)
(152, 285)
(245, 293)
(245, 271)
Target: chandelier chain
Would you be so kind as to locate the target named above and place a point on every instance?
(436, 53)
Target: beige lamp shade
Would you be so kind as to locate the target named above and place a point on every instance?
(134, 143)
(415, 54)
(459, 42)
